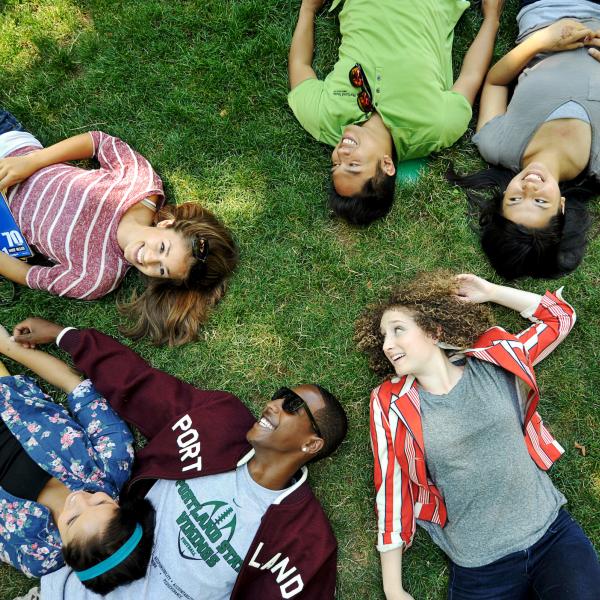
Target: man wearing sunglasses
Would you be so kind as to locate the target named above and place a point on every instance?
(391, 94)
(235, 517)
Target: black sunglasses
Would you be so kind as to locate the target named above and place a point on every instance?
(292, 403)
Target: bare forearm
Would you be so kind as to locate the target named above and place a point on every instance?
(13, 269)
(49, 368)
(513, 298)
(302, 47)
(510, 65)
(477, 60)
(391, 575)
(77, 147)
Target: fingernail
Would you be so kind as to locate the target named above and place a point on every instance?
(11, 338)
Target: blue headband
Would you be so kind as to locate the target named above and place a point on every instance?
(114, 559)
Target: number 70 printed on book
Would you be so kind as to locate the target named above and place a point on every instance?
(12, 241)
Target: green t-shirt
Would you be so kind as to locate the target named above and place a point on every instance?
(405, 49)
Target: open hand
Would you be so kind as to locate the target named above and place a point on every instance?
(15, 169)
(33, 331)
(565, 34)
(470, 288)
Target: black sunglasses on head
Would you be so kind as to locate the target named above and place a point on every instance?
(292, 403)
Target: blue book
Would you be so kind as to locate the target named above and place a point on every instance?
(12, 241)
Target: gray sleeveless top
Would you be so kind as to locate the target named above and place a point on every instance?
(546, 84)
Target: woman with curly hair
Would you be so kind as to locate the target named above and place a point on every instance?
(541, 142)
(92, 225)
(458, 444)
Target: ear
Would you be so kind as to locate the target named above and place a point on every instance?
(165, 223)
(312, 446)
(387, 165)
(562, 204)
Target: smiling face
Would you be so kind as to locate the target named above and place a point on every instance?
(408, 348)
(288, 433)
(85, 516)
(355, 159)
(160, 252)
(532, 197)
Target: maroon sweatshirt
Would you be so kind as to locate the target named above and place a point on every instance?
(193, 433)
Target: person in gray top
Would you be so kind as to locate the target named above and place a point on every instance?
(459, 447)
(542, 144)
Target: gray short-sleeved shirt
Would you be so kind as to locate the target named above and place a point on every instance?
(547, 83)
(498, 500)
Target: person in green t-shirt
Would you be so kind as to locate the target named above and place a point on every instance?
(391, 94)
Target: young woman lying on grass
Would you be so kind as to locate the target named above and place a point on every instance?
(60, 477)
(458, 444)
(95, 224)
(542, 144)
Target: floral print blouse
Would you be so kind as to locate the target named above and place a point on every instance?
(90, 449)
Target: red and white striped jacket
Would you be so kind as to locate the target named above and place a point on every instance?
(404, 490)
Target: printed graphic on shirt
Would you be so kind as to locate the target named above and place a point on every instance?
(206, 530)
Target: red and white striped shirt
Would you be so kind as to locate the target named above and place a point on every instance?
(404, 491)
(71, 215)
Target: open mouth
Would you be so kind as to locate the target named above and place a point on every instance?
(533, 177)
(266, 424)
(139, 255)
(398, 357)
(348, 141)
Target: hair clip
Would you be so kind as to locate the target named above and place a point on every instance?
(200, 249)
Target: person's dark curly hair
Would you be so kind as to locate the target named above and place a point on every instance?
(432, 302)
(83, 554)
(518, 251)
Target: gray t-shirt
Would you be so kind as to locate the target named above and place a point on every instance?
(547, 83)
(544, 12)
(498, 500)
(204, 528)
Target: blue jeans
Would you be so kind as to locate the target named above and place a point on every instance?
(562, 565)
(8, 122)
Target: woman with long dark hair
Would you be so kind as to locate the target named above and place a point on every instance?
(541, 142)
(94, 224)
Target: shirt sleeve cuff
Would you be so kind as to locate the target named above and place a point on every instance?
(530, 311)
(60, 335)
(389, 547)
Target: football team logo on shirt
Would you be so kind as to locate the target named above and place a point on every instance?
(206, 530)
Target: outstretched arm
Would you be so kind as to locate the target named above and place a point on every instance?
(303, 44)
(566, 34)
(141, 395)
(49, 368)
(15, 169)
(478, 57)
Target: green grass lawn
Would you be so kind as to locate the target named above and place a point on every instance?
(199, 87)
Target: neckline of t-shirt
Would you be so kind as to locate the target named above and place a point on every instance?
(454, 391)
(261, 491)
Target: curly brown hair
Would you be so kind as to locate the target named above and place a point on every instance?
(433, 304)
